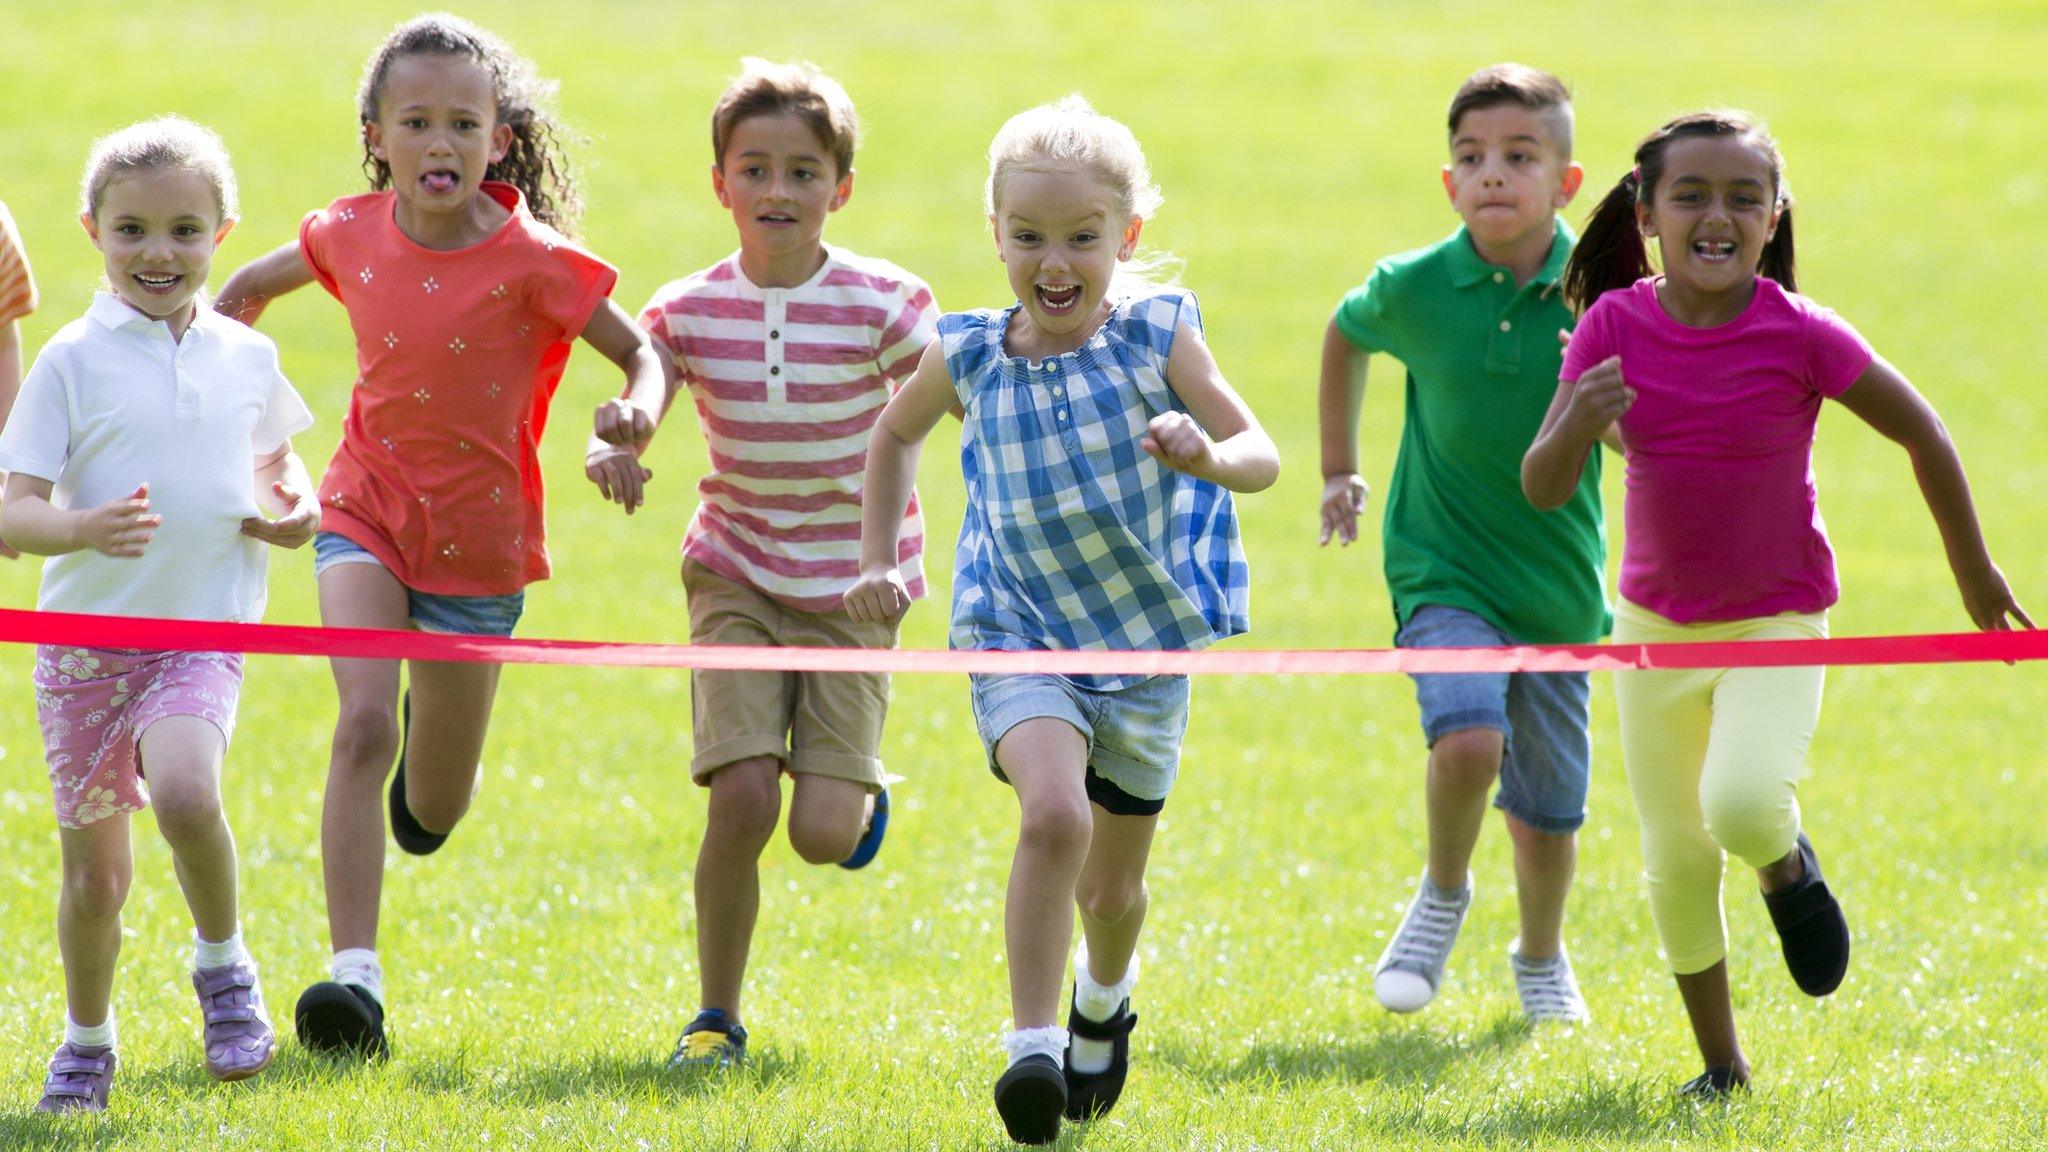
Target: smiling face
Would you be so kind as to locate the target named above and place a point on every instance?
(780, 182)
(1713, 210)
(157, 229)
(1060, 233)
(1508, 174)
(437, 128)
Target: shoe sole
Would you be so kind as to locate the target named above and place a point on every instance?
(1032, 1104)
(332, 1021)
(233, 1074)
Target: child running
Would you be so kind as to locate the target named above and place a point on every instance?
(148, 442)
(17, 300)
(1099, 448)
(1713, 374)
(465, 297)
(1469, 562)
(790, 349)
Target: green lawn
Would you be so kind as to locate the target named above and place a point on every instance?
(541, 966)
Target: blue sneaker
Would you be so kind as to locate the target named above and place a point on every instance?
(712, 1040)
(870, 840)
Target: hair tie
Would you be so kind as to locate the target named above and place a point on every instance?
(1635, 175)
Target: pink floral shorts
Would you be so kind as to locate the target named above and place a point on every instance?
(95, 703)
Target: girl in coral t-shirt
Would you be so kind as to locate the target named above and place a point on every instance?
(464, 298)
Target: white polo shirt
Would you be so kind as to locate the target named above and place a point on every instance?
(113, 402)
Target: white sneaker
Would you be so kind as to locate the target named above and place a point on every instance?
(1550, 994)
(1412, 967)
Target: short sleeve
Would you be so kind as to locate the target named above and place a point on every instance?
(569, 285)
(284, 414)
(1362, 314)
(1592, 340)
(314, 248)
(37, 439)
(912, 327)
(17, 285)
(1836, 353)
(964, 339)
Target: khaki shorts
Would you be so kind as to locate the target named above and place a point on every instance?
(816, 723)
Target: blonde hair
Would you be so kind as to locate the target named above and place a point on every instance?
(765, 88)
(165, 142)
(1070, 134)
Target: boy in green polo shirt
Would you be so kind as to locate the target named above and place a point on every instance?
(1469, 562)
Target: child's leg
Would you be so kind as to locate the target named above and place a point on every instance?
(1046, 761)
(1111, 892)
(835, 738)
(182, 757)
(97, 868)
(826, 815)
(365, 746)
(746, 799)
(1543, 798)
(444, 739)
(1462, 768)
(1764, 720)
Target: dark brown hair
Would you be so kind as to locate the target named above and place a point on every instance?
(535, 163)
(798, 89)
(1532, 88)
(1611, 254)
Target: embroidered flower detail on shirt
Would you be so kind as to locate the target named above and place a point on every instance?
(430, 284)
(390, 341)
(500, 292)
(457, 345)
(422, 395)
(462, 445)
(493, 391)
(425, 499)
(450, 551)
(345, 214)
(525, 328)
(365, 275)
(519, 541)
(497, 494)
(388, 445)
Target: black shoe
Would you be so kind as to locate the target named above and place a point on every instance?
(341, 1020)
(1031, 1096)
(1090, 1094)
(1718, 1082)
(406, 831)
(1811, 928)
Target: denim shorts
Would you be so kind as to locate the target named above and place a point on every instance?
(1542, 718)
(1134, 734)
(430, 612)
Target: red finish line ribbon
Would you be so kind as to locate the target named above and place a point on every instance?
(25, 627)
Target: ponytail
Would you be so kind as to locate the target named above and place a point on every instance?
(1611, 253)
(1776, 261)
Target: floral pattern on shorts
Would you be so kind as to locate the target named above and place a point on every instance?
(95, 703)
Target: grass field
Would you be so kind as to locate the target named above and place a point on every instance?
(542, 965)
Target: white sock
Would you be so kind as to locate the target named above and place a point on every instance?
(1050, 1040)
(1097, 1002)
(206, 954)
(359, 966)
(98, 1036)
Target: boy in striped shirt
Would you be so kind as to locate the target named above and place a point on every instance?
(790, 349)
(17, 299)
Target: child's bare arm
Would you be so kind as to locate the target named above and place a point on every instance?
(285, 491)
(257, 283)
(893, 448)
(1886, 401)
(1339, 398)
(1582, 413)
(10, 387)
(120, 527)
(1223, 443)
(624, 425)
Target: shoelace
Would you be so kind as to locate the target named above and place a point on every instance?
(1427, 934)
(1545, 991)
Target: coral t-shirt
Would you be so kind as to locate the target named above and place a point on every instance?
(1722, 517)
(457, 357)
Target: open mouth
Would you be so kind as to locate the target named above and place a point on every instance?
(776, 219)
(1713, 251)
(158, 283)
(440, 181)
(1058, 300)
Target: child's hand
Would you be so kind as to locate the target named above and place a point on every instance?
(1599, 398)
(1175, 440)
(291, 530)
(121, 527)
(618, 474)
(1343, 499)
(1989, 601)
(878, 595)
(622, 422)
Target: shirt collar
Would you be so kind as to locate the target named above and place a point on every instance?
(111, 312)
(1468, 268)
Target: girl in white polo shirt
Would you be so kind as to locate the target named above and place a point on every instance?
(147, 443)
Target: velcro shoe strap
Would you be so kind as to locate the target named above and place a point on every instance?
(1114, 1028)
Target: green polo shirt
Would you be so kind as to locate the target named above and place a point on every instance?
(1482, 359)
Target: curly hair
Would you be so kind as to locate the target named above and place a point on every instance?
(535, 164)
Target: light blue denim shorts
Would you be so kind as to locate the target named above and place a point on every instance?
(1134, 734)
(1542, 717)
(430, 612)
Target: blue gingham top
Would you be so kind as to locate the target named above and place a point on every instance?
(1073, 536)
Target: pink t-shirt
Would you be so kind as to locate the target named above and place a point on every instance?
(457, 357)
(1722, 519)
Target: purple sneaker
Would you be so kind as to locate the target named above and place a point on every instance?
(239, 1042)
(80, 1079)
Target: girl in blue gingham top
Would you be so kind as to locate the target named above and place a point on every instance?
(1098, 441)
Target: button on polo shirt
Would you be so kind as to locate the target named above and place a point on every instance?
(1482, 364)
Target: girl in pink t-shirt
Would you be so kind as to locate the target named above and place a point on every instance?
(464, 298)
(1709, 379)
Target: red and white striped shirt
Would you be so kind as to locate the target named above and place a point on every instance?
(17, 287)
(788, 382)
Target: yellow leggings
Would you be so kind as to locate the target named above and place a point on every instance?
(1714, 757)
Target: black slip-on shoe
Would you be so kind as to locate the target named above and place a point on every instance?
(1030, 1096)
(341, 1020)
(1811, 928)
(406, 832)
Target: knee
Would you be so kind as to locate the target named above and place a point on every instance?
(1109, 901)
(1748, 823)
(97, 892)
(745, 807)
(1058, 826)
(439, 814)
(366, 739)
(187, 804)
(822, 838)
(1468, 759)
